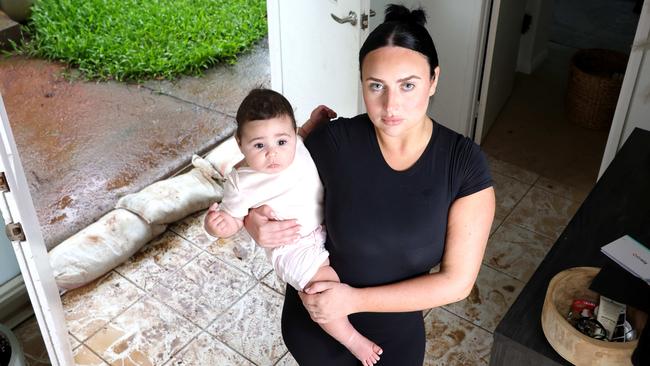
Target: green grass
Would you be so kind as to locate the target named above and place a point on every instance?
(143, 39)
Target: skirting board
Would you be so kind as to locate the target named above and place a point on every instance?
(15, 306)
(529, 66)
(539, 58)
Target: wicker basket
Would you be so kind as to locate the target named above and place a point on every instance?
(595, 79)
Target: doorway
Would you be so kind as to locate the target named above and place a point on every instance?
(532, 130)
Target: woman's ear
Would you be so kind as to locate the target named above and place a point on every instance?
(434, 81)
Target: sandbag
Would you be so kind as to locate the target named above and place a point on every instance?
(172, 199)
(100, 247)
(225, 156)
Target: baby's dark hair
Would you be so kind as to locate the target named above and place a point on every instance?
(403, 28)
(262, 104)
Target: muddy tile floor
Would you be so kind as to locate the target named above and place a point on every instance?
(186, 299)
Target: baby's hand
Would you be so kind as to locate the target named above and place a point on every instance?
(220, 224)
(320, 115)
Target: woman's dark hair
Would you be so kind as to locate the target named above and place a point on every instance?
(262, 104)
(403, 28)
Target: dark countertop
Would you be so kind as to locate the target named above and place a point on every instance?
(618, 205)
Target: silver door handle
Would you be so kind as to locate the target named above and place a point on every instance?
(351, 18)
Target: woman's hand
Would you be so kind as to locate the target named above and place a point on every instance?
(268, 232)
(321, 114)
(326, 301)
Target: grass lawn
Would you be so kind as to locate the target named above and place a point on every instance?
(143, 39)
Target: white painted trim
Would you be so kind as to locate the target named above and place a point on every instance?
(14, 302)
(615, 138)
(487, 70)
(363, 34)
(472, 122)
(275, 44)
(17, 206)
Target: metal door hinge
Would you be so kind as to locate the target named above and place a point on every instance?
(4, 187)
(14, 231)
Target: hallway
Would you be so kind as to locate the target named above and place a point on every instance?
(532, 130)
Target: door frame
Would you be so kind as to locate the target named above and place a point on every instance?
(483, 65)
(616, 136)
(17, 208)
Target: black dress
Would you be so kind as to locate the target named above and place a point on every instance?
(383, 226)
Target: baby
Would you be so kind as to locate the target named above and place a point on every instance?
(278, 171)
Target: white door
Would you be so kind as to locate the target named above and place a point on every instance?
(314, 60)
(500, 62)
(24, 232)
(314, 57)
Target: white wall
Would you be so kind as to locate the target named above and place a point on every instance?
(532, 46)
(633, 108)
(8, 265)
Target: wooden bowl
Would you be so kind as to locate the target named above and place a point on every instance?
(572, 345)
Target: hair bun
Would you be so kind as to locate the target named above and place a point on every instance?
(400, 13)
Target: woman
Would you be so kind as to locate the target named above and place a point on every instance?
(403, 194)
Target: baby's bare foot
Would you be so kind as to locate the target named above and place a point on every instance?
(364, 349)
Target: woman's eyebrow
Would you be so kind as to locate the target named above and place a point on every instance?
(398, 80)
(408, 78)
(374, 79)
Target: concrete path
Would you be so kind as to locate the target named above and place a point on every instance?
(85, 144)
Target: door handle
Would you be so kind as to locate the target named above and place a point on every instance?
(351, 18)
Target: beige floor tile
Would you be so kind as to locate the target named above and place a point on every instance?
(191, 228)
(89, 308)
(516, 251)
(252, 326)
(158, 259)
(452, 340)
(85, 357)
(274, 282)
(569, 192)
(74, 342)
(31, 341)
(492, 295)
(287, 360)
(203, 289)
(508, 192)
(543, 212)
(242, 252)
(148, 333)
(512, 171)
(496, 223)
(206, 350)
(239, 250)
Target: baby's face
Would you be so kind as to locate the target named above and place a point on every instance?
(268, 145)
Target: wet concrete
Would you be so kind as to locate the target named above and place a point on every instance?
(85, 144)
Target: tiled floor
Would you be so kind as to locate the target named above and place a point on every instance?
(187, 300)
